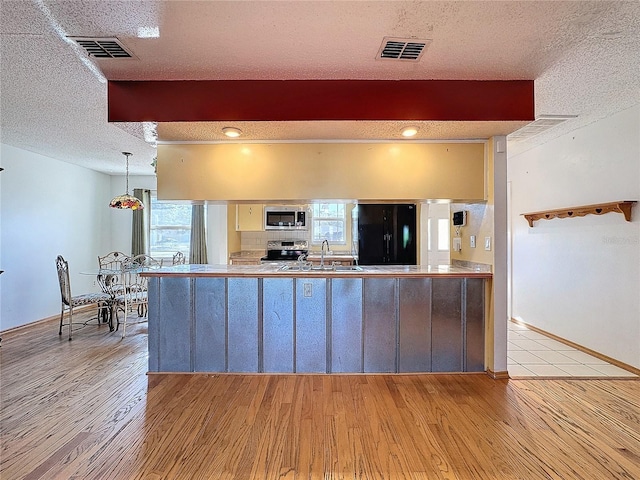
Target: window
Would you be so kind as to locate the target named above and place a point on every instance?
(170, 227)
(328, 223)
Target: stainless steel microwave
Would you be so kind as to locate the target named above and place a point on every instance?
(285, 218)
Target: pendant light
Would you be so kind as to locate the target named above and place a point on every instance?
(126, 200)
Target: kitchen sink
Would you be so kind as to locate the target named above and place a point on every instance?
(293, 268)
(347, 268)
(318, 268)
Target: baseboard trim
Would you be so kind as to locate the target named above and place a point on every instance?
(43, 320)
(503, 375)
(593, 353)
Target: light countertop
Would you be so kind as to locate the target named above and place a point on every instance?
(273, 270)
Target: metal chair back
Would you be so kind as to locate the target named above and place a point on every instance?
(179, 259)
(112, 261)
(63, 278)
(145, 260)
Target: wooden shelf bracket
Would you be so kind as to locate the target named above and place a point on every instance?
(623, 207)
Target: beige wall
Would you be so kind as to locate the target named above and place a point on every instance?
(479, 220)
(480, 224)
(306, 172)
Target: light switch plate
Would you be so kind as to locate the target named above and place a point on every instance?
(487, 243)
(472, 241)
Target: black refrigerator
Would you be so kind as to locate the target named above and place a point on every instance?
(386, 234)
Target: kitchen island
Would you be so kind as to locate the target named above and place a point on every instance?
(262, 318)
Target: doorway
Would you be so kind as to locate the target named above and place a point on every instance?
(435, 221)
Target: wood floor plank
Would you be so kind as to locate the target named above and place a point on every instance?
(87, 410)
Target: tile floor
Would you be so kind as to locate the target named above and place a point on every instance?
(531, 354)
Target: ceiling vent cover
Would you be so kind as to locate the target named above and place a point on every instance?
(409, 49)
(539, 125)
(102, 47)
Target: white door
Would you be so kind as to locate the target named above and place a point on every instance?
(436, 221)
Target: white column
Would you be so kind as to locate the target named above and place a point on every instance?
(500, 254)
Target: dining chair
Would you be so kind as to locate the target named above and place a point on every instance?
(69, 302)
(131, 294)
(112, 261)
(179, 259)
(109, 263)
(145, 260)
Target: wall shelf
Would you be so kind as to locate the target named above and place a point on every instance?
(623, 207)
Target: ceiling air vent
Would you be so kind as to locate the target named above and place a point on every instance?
(539, 125)
(102, 47)
(402, 49)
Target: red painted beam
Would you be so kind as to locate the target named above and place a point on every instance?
(308, 100)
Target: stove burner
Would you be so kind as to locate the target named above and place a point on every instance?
(285, 250)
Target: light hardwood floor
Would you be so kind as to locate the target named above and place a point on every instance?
(86, 410)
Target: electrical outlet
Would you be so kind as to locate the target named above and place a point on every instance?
(307, 290)
(472, 241)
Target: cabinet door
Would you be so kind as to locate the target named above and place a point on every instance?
(249, 217)
(379, 329)
(446, 325)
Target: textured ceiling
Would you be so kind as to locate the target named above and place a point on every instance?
(584, 58)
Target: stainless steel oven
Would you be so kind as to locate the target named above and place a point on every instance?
(285, 218)
(282, 251)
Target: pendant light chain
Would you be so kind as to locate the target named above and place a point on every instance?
(127, 154)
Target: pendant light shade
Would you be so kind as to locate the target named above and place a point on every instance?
(126, 200)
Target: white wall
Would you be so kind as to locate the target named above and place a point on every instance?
(579, 278)
(47, 208)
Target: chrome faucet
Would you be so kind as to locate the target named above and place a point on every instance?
(325, 241)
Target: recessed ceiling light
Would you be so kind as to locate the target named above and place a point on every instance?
(409, 131)
(232, 132)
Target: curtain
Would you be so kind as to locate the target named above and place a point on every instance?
(140, 223)
(198, 245)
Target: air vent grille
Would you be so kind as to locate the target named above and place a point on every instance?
(402, 49)
(103, 47)
(539, 125)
